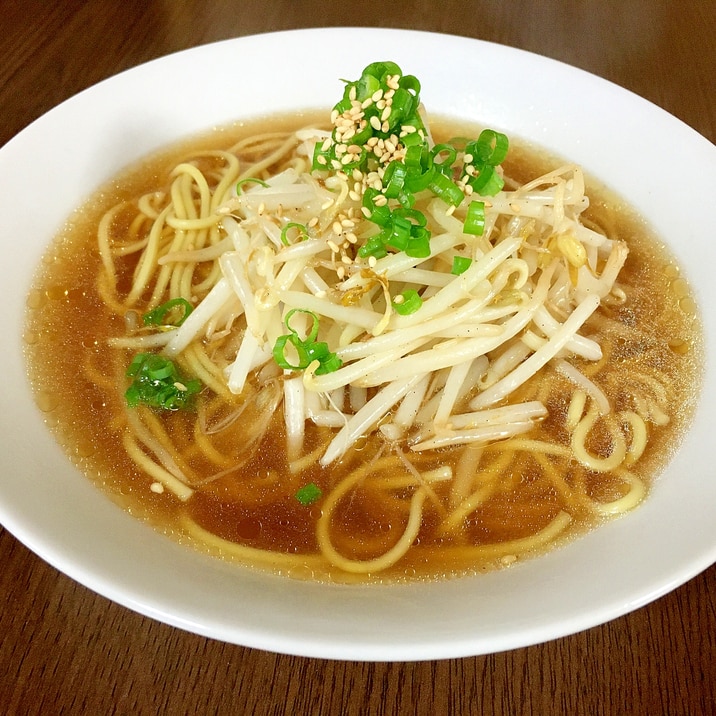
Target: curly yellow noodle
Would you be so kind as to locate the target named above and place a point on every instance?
(511, 548)
(148, 261)
(491, 474)
(208, 283)
(196, 224)
(155, 427)
(579, 436)
(576, 409)
(636, 493)
(190, 178)
(376, 564)
(639, 436)
(104, 244)
(204, 444)
(182, 491)
(531, 446)
(197, 363)
(248, 554)
(565, 492)
(146, 206)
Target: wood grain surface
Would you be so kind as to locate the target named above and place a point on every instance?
(65, 650)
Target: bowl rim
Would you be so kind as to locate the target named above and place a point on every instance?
(53, 515)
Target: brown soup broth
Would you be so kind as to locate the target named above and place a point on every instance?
(79, 386)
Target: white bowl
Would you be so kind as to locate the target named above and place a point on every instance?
(665, 170)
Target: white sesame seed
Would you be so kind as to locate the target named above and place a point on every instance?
(312, 222)
(341, 272)
(378, 94)
(384, 127)
(354, 195)
(326, 204)
(321, 159)
(367, 103)
(352, 93)
(157, 487)
(333, 246)
(337, 228)
(366, 212)
(450, 210)
(375, 123)
(372, 261)
(346, 260)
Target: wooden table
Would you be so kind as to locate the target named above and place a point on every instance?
(66, 650)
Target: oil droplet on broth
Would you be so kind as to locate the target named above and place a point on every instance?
(47, 402)
(36, 299)
(688, 305)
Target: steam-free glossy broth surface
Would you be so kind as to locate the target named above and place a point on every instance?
(81, 396)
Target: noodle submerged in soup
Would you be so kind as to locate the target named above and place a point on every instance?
(340, 369)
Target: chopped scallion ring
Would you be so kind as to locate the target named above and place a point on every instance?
(300, 233)
(407, 302)
(158, 316)
(460, 264)
(475, 218)
(249, 180)
(307, 349)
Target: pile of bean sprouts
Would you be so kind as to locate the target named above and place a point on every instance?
(443, 376)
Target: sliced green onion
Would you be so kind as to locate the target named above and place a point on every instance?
(443, 187)
(157, 383)
(307, 349)
(157, 316)
(490, 148)
(301, 233)
(488, 182)
(249, 180)
(460, 264)
(407, 302)
(394, 179)
(419, 244)
(448, 154)
(475, 218)
(308, 494)
(422, 168)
